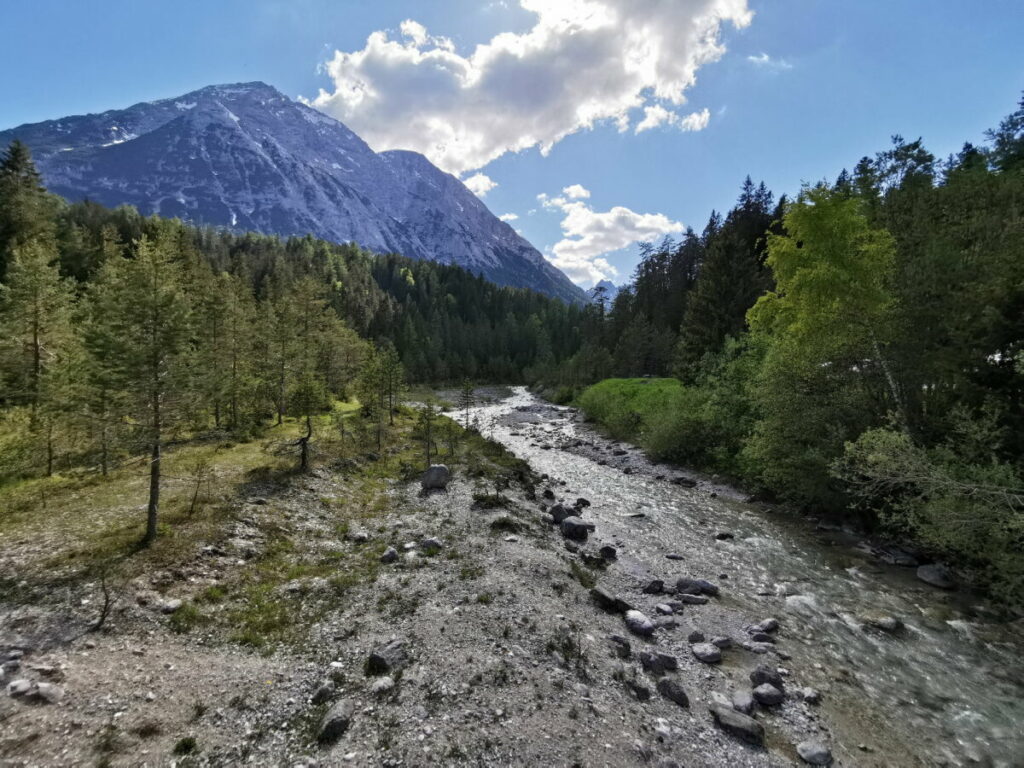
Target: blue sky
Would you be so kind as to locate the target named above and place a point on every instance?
(794, 93)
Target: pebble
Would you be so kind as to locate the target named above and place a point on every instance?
(390, 555)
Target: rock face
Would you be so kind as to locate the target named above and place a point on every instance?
(247, 157)
(737, 724)
(436, 478)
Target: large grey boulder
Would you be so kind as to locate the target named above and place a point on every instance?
(436, 477)
(737, 724)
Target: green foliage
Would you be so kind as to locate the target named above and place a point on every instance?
(625, 407)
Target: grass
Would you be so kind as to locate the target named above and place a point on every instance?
(626, 406)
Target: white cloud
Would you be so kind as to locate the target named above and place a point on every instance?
(480, 184)
(589, 235)
(656, 115)
(575, 191)
(764, 61)
(581, 62)
(509, 216)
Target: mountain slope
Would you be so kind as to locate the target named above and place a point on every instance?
(249, 158)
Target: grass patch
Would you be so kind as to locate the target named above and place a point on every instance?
(582, 575)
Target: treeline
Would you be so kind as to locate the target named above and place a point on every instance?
(858, 350)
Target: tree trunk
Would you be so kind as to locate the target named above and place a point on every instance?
(154, 493)
(304, 445)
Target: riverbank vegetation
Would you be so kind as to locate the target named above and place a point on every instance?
(857, 350)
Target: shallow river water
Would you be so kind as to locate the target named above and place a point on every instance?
(946, 690)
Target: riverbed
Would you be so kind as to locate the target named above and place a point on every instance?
(945, 688)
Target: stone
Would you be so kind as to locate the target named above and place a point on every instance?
(696, 636)
(673, 691)
(19, 687)
(722, 641)
(638, 688)
(608, 552)
(324, 693)
(674, 556)
(336, 721)
(768, 694)
(811, 695)
(582, 503)
(737, 724)
(639, 624)
(657, 663)
(436, 477)
(359, 537)
(684, 481)
(609, 602)
(937, 575)
(382, 685)
(743, 702)
(390, 555)
(706, 652)
(548, 494)
(620, 646)
(576, 528)
(654, 587)
(665, 622)
(764, 674)
(686, 586)
(387, 658)
(170, 606)
(760, 648)
(762, 637)
(767, 625)
(559, 512)
(888, 624)
(724, 536)
(431, 546)
(814, 753)
(692, 599)
(664, 609)
(45, 692)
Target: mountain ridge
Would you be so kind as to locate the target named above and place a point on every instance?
(244, 156)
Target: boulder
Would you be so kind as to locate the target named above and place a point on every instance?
(436, 477)
(706, 652)
(657, 663)
(559, 512)
(673, 691)
(888, 624)
(387, 658)
(324, 693)
(769, 695)
(767, 625)
(743, 702)
(390, 555)
(576, 528)
(764, 674)
(722, 641)
(639, 624)
(620, 646)
(686, 586)
(814, 753)
(608, 601)
(654, 587)
(431, 546)
(608, 552)
(937, 575)
(737, 724)
(336, 721)
(692, 599)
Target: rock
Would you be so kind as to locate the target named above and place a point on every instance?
(684, 481)
(639, 624)
(764, 674)
(608, 552)
(47, 693)
(382, 685)
(760, 648)
(359, 537)
(695, 587)
(559, 512)
(673, 691)
(638, 688)
(324, 693)
(390, 555)
(768, 625)
(737, 724)
(620, 646)
(814, 753)
(336, 721)
(170, 606)
(722, 641)
(665, 622)
(674, 556)
(762, 637)
(431, 546)
(19, 687)
(582, 503)
(436, 477)
(657, 663)
(692, 599)
(937, 575)
(888, 624)
(576, 528)
(743, 702)
(768, 694)
(387, 658)
(664, 609)
(654, 587)
(608, 601)
(811, 695)
(696, 636)
(706, 652)
(548, 494)
(724, 536)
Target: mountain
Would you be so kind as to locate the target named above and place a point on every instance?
(247, 157)
(609, 291)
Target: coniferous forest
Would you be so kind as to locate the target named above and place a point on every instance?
(855, 349)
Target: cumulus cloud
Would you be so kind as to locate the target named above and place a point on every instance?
(480, 184)
(576, 192)
(764, 61)
(656, 115)
(509, 216)
(581, 62)
(589, 235)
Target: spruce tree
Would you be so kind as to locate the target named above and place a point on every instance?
(27, 211)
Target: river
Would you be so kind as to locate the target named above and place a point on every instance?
(948, 689)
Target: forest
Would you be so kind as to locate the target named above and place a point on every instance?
(857, 350)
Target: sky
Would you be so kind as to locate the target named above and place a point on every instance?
(589, 125)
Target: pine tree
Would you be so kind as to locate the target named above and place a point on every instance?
(27, 211)
(467, 400)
